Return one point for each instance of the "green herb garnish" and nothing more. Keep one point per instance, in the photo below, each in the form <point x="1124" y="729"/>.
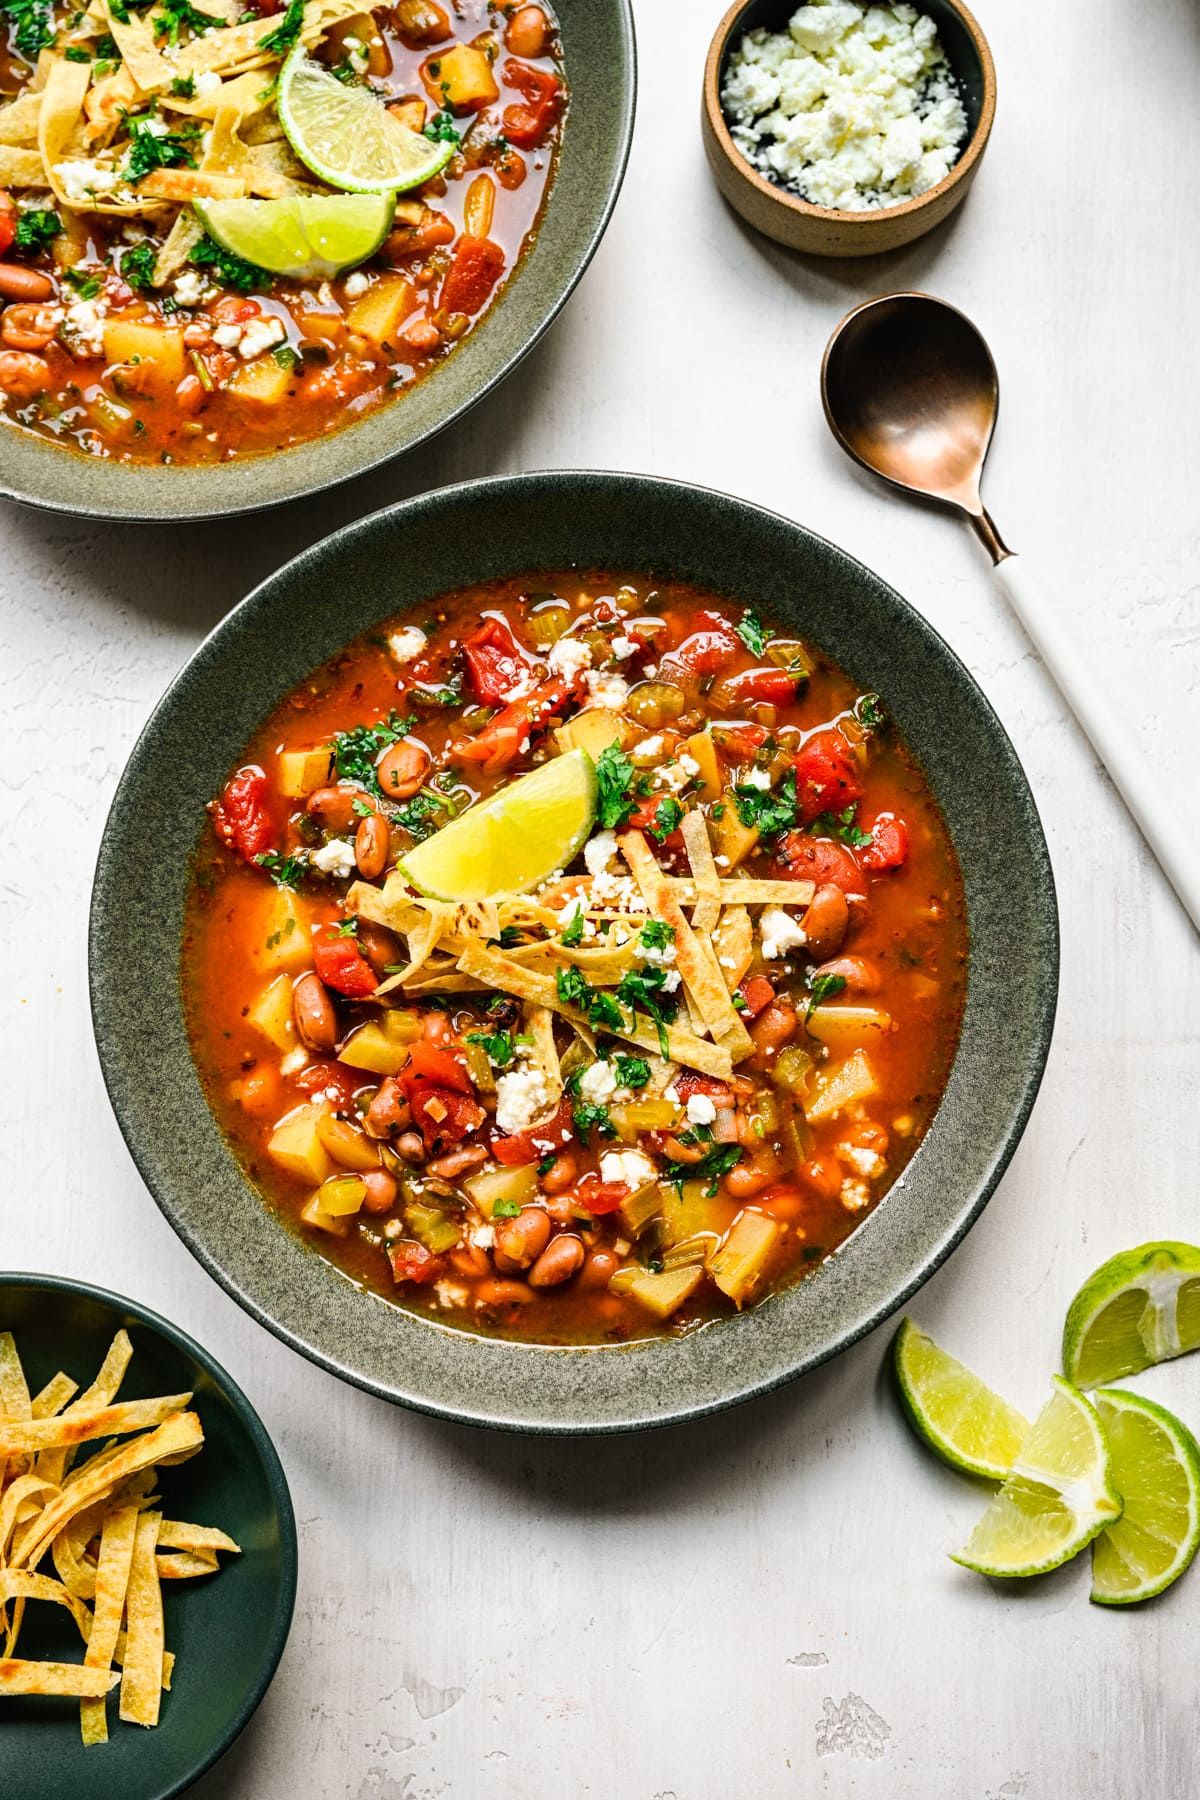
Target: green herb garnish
<point x="709" y="1169"/>
<point x="35" y="229"/>
<point x="32" y="23"/>
<point x="234" y="271"/>
<point x="285" y="871"/>
<point x="753" y="633"/>
<point x="822" y="988"/>
<point x="137" y="266"/>
<point x="841" y="825"/>
<point x="667" y="815"/>
<point x="280" y="41"/>
<point x="356" y="752"/>
<point x="506" y="1209"/>
<point x="771" y="812"/>
<point x="572" y="936"/>
<point x="632" y="1071"/>
<point x="441" y="129"/>
<point x="614" y="778"/>
<point x="656" y="934"/>
<point x="498" y="1045"/>
<point x="85" y="285"/>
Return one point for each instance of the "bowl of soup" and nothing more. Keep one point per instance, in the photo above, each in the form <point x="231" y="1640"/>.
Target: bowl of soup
<point x="245" y="255"/>
<point x="567" y="982"/>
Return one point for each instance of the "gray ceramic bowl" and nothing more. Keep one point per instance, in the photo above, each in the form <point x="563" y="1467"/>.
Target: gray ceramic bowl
<point x="228" y="1632"/>
<point x="598" y="50"/>
<point x="403" y="556"/>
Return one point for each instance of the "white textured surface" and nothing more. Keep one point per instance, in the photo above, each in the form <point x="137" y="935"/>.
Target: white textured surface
<point x="761" y="1605"/>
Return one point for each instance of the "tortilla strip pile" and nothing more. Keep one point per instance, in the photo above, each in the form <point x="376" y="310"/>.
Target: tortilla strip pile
<point x="103" y="1529"/>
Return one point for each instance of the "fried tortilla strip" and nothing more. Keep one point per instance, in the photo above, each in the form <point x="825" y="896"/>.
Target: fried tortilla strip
<point x="707" y="909"/>
<point x="142" y="1676"/>
<point x="52" y="1465"/>
<point x="75" y="1427"/>
<point x="135" y="40"/>
<point x="244" y="92"/>
<point x="60" y="114"/>
<point x="511" y="977"/>
<point x="191" y="184"/>
<point x="18" y="1584"/>
<point x="183" y="1566"/>
<point x="182" y="239"/>
<point x="18" y="122"/>
<point x="539" y="1022"/>
<point x="747" y="891"/>
<point x="26" y="1488"/>
<point x="733" y="942"/>
<point x="106" y="102"/>
<point x="177" y="1437"/>
<point x="70" y="1679"/>
<point x="53" y="1397"/>
<point x="15" y="1404"/>
<point x="202" y="1540"/>
<point x="22" y="168"/>
<point x="695" y="960"/>
<point x="227" y="52"/>
<point x="112" y="1583"/>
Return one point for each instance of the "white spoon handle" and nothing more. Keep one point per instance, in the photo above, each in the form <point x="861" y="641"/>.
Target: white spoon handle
<point x="1165" y="831"/>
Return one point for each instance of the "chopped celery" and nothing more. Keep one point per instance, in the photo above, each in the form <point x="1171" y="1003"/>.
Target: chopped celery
<point x="691" y="1250"/>
<point x="692" y="1211"/>
<point x="740" y="1264"/>
<point x="845" y="1028"/>
<point x="793" y="1071"/>
<point x="641" y="1208"/>
<point x="633" y="1117"/>
<point x="313" y="1213"/>
<point x="431" y="1227"/>
<point x="843" y="1085"/>
<point x="548" y="623"/>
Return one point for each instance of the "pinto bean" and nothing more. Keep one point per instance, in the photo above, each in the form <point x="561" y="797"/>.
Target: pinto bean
<point x="772" y="1028"/>
<point x="313" y="1011"/>
<point x="457" y="1162"/>
<point x="189" y="395"/>
<point x="381" y="1191"/>
<point x="562" y="1258"/>
<point x="388" y="1111"/>
<point x="825" y="922"/>
<point x="332" y="808"/>
<point x="860" y="976"/>
<point x="752" y="1176"/>
<point x="401" y="770"/>
<point x="521" y="1240"/>
<point x="563" y="1175"/>
<point x="22" y="376"/>
<point x="503" y="1293"/>
<point x="680" y="1152"/>
<point x="371" y="842"/>
<point x="29" y="327"/>
<point x="411" y="1146"/>
<point x="599" y="1269"/>
<point x="380" y="946"/>
<point x="527" y="32"/>
<point x="18" y="283"/>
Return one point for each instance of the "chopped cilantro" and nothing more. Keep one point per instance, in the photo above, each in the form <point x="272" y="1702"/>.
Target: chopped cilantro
<point x="506" y="1209"/>
<point x="709" y="1169"/>
<point x="85" y="285"/>
<point x="667" y="815"/>
<point x="348" y="928"/>
<point x="753" y="633"/>
<point x="572" y="988"/>
<point x="152" y="149"/>
<point x="641" y="991"/>
<point x="184" y="87"/>
<point x="717" y="811"/>
<point x="35" y="229"/>
<point x="614" y="777"/>
<point x="771" y="812"/>
<point x="656" y="934"/>
<point x="234" y="271"/>
<point x="510" y="937"/>
<point x="417" y="817"/>
<point x="573" y="935"/>
<point x="822" y="988"/>
<point x="603" y="1010"/>
<point x="285" y="871"/>
<point x="280" y="41"/>
<point x="441" y="129"/>
<point x="547" y="1163"/>
<point x="868" y="710"/>
<point x="449" y="694"/>
<point x="174" y="14"/>
<point x="498" y="1045"/>
<point x="356" y="752"/>
<point x="632" y="1071"/>
<point x="841" y="825"/>
<point x="77" y="54"/>
<point x="590" y="1118"/>
<point x="137" y="266"/>
<point x="32" y="26"/>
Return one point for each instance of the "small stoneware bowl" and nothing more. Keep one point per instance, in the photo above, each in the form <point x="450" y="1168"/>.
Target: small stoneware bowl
<point x="227" y="1631"/>
<point x="404" y="557"/>
<point x="825" y="231"/>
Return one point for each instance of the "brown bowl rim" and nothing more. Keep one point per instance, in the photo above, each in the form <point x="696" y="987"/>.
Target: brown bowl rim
<point x="804" y="209"/>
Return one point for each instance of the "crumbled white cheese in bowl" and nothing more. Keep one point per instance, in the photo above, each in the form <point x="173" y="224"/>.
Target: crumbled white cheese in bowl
<point x="852" y="107"/>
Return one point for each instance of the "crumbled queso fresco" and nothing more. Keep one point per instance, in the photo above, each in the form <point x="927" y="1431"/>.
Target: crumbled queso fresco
<point x="852" y="107"/>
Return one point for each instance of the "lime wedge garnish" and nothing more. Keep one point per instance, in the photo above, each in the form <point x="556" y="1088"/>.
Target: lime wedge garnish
<point x="510" y="842"/>
<point x="968" y="1425"/>
<point x="1059" y="1495"/>
<point x="1156" y="1466"/>
<point x="344" y="135"/>
<point x="1139" y="1308"/>
<point x="311" y="238"/>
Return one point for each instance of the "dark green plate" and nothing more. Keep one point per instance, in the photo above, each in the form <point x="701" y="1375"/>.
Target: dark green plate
<point x="600" y="61"/>
<point x="403" y="556"/>
<point x="227" y="1630"/>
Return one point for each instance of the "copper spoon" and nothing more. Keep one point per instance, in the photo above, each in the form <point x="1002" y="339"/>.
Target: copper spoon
<point x="911" y="393"/>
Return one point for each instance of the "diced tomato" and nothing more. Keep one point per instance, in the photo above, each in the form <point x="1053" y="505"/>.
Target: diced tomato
<point x="758" y="994"/>
<point x="528" y="126"/>
<point x="508" y="735"/>
<point x="711" y="647"/>
<point x="496" y="661"/>
<point x="599" y="1198"/>
<point x="8" y="223"/>
<point x="435" y="1063"/>
<point x="477" y="267"/>
<point x="530" y="1146"/>
<point x="413" y="1262"/>
<point x="819" y="860"/>
<point x="827" y="778"/>
<point x="336" y="1078"/>
<point x="688" y="1082"/>
<point x="888" y="848"/>
<point x="241" y="817"/>
<point x="774" y="686"/>
<point x="740" y="743"/>
<point x="645" y="818"/>
<point x="442" y="1114"/>
<point x="342" y="966"/>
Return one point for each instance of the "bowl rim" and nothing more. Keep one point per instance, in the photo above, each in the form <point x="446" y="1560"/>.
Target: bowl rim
<point x="120" y="1075"/>
<point x="276" y="1481"/>
<point x="862" y="220"/>
<point x="165" y="500"/>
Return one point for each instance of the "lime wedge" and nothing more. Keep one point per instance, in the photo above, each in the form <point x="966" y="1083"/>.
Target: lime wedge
<point x="344" y="135"/>
<point x="1156" y="1465"/>
<point x="1139" y="1308"/>
<point x="311" y="238"/>
<point x="1057" y="1498"/>
<point x="510" y="842"/>
<point x="969" y="1427"/>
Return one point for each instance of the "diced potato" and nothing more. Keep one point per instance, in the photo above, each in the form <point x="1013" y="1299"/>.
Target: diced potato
<point x="740" y="1264"/>
<point x="346" y="1145"/>
<point x="263" y="382"/>
<point x="373" y="1048"/>
<point x="460" y="78"/>
<point x="298" y="772"/>
<point x="296" y="1144"/>
<point x="400" y="1026"/>
<point x="285" y="941"/>
<point x="702" y="749"/>
<point x="665" y="1293"/>
<point x="410" y="111"/>
<point x="687" y="1214"/>
<point x="594" y="732"/>
<point x="519" y="1185"/>
<point x="843" y="1085"/>
<point x="379" y="313"/>
<point x="313" y="1213"/>
<point x="845" y="1028"/>
<point x="135" y="341"/>
<point x="341" y="1195"/>
<point x="272" y="1013"/>
<point x="733" y="840"/>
